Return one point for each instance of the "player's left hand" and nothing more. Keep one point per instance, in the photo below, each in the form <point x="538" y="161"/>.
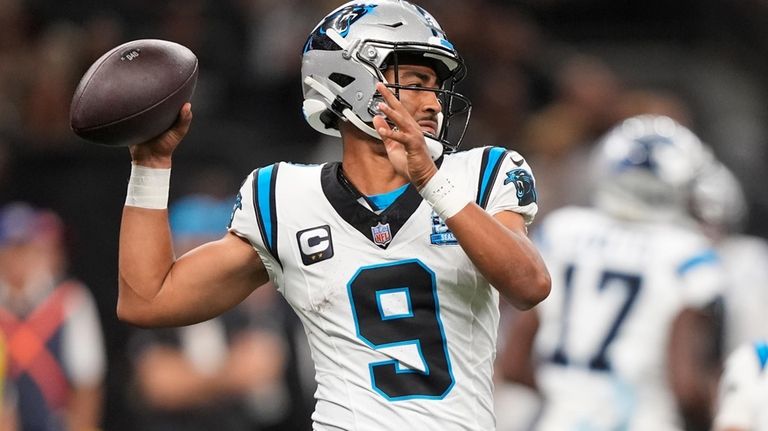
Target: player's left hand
<point x="405" y="144"/>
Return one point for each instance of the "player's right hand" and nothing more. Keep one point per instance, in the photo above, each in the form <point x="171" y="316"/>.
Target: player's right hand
<point x="405" y="144"/>
<point x="156" y="153"/>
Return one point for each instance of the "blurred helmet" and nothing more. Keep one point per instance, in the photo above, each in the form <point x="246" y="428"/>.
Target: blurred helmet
<point x="645" y="167"/>
<point x="348" y="51"/>
<point x="20" y="223"/>
<point x="718" y="198"/>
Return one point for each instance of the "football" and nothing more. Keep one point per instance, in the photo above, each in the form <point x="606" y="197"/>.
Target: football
<point x="133" y="92"/>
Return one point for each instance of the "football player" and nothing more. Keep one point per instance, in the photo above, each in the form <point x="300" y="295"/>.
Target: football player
<point x="625" y="339"/>
<point x="394" y="259"/>
<point x="721" y="206"/>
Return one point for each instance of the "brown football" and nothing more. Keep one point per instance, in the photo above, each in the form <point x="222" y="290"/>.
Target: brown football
<point x="133" y="92"/>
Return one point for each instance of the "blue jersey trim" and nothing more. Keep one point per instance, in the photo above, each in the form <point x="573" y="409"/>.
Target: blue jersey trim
<point x="384" y="200"/>
<point x="706" y="258"/>
<point x="265" y="212"/>
<point x="492" y="160"/>
<point x="264" y="204"/>
<point x="761" y="350"/>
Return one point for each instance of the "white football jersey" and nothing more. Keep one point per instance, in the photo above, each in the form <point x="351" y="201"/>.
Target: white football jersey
<point x="617" y="286"/>
<point x="401" y="325"/>
<point x="745" y="261"/>
<point x="743" y="392"/>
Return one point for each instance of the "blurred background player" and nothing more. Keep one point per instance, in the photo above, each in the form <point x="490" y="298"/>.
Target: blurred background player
<point x="625" y="341"/>
<point x="232" y="372"/>
<point x="721" y="206"/>
<point x="51" y="326"/>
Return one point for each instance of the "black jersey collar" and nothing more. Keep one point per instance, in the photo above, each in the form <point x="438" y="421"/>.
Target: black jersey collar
<point x="381" y="228"/>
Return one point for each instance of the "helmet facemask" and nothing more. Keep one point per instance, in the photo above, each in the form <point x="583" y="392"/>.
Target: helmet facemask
<point x="454" y="115"/>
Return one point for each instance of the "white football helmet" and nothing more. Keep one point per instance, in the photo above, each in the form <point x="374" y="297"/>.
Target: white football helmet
<point x="645" y="168"/>
<point x="348" y="51"/>
<point x="718" y="198"/>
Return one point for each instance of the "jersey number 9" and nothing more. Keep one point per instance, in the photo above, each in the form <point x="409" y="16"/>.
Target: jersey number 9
<point x="397" y="313"/>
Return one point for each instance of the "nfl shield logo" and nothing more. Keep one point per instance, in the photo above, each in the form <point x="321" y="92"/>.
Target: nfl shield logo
<point x="381" y="234"/>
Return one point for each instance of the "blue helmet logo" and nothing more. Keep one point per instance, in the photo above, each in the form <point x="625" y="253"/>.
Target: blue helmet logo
<point x="523" y="181"/>
<point x="340" y="21"/>
<point x="641" y="154"/>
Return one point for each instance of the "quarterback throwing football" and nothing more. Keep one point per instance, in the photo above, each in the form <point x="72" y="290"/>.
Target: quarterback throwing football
<point x="394" y="259"/>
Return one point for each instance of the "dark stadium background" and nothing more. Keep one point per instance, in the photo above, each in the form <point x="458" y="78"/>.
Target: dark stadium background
<point x="712" y="55"/>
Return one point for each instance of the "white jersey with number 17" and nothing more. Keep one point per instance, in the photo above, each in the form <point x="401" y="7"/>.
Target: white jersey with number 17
<point x="617" y="287"/>
<point x="401" y="325"/>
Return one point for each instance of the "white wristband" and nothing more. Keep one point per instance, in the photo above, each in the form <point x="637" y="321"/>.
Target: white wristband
<point x="148" y="187"/>
<point x="445" y="197"/>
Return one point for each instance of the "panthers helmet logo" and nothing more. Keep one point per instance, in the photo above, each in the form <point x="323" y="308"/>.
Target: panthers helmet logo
<point x="340" y="21"/>
<point x="523" y="181"/>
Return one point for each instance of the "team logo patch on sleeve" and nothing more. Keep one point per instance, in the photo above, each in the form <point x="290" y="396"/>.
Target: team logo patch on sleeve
<point x="315" y="244"/>
<point x="381" y="233"/>
<point x="237" y="206"/>
<point x="523" y="181"/>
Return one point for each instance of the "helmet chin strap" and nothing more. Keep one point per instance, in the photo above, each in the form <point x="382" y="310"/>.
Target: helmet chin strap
<point x="434" y="147"/>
